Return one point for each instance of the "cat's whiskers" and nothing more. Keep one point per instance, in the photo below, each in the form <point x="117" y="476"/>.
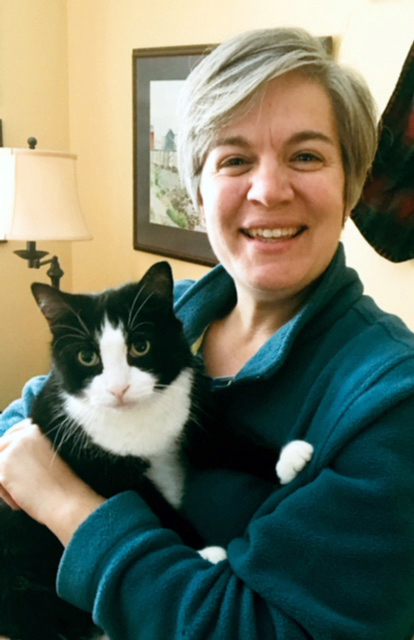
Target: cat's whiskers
<point x="72" y="328"/>
<point x="67" y="428"/>
<point x="75" y="435"/>
<point x="194" y="417"/>
<point x="198" y="411"/>
<point x="81" y="322"/>
<point x="76" y="334"/>
<point x="135" y="327"/>
<point x="132" y="319"/>
<point x="72" y="311"/>
<point x="80" y="441"/>
<point x="134" y="302"/>
<point x="70" y="346"/>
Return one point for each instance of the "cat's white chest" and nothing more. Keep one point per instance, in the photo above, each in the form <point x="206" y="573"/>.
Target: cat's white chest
<point x="167" y="474"/>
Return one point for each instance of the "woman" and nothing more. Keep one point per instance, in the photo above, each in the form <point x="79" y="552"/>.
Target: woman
<point x="276" y="143"/>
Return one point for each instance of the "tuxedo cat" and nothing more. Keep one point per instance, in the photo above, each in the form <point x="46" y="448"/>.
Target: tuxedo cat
<point x="121" y="407"/>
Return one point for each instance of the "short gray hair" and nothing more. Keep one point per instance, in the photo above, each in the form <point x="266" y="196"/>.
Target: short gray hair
<point x="230" y="79"/>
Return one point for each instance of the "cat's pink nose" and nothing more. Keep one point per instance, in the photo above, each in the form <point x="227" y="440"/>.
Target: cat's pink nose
<point x="119" y="392"/>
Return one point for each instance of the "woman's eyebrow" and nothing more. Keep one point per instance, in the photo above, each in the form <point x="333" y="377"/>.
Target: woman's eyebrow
<point x="301" y="136"/>
<point x="231" y="141"/>
<point x="309" y="135"/>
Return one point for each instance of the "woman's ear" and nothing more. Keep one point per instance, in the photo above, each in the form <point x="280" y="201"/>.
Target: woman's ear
<point x="345" y="216"/>
<point x="201" y="207"/>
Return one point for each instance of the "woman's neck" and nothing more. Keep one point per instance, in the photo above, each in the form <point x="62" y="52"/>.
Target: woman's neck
<point x="232" y="341"/>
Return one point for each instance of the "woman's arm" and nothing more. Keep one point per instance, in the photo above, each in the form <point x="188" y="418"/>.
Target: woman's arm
<point x="35" y="479"/>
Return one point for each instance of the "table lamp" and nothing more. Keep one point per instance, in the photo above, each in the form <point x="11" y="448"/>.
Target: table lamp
<point x="39" y="201"/>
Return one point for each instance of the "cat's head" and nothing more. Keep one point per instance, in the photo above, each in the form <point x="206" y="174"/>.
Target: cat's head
<point x="118" y="347"/>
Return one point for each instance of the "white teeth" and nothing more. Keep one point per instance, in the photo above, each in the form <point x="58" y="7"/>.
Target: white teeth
<point x="273" y="233"/>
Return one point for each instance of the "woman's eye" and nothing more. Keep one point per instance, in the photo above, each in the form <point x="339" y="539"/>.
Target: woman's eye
<point x="88" y="358"/>
<point x="307" y="159"/>
<point x="235" y="162"/>
<point x="233" y="165"/>
<point x="139" y="348"/>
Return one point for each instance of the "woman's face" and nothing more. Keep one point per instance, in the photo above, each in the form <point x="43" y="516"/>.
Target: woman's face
<point x="272" y="190"/>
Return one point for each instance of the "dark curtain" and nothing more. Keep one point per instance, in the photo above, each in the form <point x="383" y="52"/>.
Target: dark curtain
<point x="385" y="212"/>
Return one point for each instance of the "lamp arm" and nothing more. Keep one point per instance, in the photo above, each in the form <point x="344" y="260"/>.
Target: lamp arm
<point x="32" y="255"/>
<point x="34" y="261"/>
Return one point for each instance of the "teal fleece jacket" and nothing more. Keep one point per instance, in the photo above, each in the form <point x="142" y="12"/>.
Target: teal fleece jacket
<point x="329" y="556"/>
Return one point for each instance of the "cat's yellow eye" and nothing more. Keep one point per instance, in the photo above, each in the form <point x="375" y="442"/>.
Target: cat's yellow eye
<point x="88" y="358"/>
<point x="139" y="348"/>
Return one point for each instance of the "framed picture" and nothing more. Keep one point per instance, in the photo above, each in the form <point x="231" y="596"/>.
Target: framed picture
<point x="165" y="221"/>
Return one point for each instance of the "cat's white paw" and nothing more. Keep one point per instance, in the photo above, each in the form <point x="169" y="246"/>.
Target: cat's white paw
<point x="293" y="458"/>
<point x="213" y="554"/>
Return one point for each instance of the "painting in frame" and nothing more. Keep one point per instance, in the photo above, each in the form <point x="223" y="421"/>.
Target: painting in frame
<point x="165" y="221"/>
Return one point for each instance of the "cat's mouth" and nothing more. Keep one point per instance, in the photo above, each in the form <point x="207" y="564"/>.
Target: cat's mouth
<point x="120" y="404"/>
<point x="123" y="403"/>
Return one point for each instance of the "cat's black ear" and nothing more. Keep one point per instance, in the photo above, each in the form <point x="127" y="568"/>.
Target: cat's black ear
<point x="50" y="300"/>
<point x="159" y="279"/>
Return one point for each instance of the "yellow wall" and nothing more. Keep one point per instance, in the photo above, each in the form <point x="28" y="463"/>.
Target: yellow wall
<point x="33" y="102"/>
<point x="66" y="76"/>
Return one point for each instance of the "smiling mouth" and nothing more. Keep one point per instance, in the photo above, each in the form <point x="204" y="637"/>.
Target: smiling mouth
<point x="272" y="235"/>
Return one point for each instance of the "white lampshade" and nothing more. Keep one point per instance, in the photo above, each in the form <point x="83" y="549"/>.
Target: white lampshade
<point x="39" y="197"/>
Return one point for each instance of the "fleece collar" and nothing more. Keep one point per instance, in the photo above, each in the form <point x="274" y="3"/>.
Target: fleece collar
<point x="214" y="295"/>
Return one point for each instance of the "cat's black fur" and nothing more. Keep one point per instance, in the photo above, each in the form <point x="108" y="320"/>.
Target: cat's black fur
<point x="29" y="553"/>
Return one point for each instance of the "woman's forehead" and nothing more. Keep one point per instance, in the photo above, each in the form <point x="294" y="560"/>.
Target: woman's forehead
<point x="293" y="106"/>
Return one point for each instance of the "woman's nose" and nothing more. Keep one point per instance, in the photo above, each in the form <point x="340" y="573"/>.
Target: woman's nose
<point x="270" y="185"/>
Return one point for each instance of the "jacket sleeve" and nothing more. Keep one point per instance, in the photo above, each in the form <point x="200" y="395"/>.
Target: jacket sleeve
<point x="329" y="556"/>
<point x="20" y="409"/>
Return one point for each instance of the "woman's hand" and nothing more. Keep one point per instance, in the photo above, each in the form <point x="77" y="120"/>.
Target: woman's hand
<point x="34" y="478"/>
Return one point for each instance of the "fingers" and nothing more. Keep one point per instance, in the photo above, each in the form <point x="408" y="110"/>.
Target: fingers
<point x="10" y="436"/>
<point x="6" y="497"/>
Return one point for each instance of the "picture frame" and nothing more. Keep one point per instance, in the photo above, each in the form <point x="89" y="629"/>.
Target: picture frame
<point x="165" y="221"/>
